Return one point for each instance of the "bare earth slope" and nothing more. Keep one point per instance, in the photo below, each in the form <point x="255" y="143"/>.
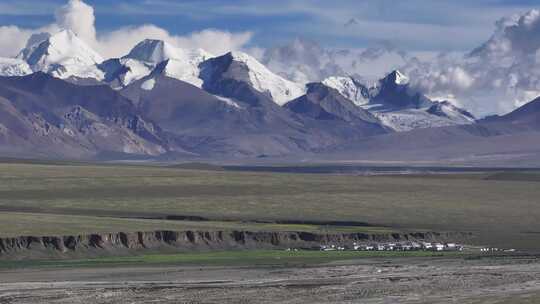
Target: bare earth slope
<point x="48" y="117"/>
<point x="509" y="139"/>
<point x="236" y="120"/>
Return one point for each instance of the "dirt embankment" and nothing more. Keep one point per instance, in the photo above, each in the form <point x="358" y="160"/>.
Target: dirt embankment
<point x="124" y="242"/>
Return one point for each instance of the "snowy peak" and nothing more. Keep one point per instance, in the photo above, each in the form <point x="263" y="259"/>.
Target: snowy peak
<point x="448" y="110"/>
<point x="14" y="67"/>
<point x="63" y="55"/>
<point x="324" y="103"/>
<point x="394" y="92"/>
<point x="152" y="57"/>
<point x="184" y="67"/>
<point x="63" y="46"/>
<point x="153" y="51"/>
<point x="187" y="71"/>
<point x="349" y="88"/>
<point x="156" y="51"/>
<point x="247" y="59"/>
<point x="396" y="77"/>
<point x="389" y="93"/>
<point x="403" y="108"/>
<point x="397" y="105"/>
<point x="244" y="68"/>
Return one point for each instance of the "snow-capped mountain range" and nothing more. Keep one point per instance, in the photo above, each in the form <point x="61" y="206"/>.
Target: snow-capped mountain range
<point x="397" y="105"/>
<point x="151" y="57"/>
<point x="64" y="55"/>
<point x="59" y="98"/>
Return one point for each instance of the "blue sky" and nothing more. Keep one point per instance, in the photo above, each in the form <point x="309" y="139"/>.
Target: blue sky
<point x="412" y="24"/>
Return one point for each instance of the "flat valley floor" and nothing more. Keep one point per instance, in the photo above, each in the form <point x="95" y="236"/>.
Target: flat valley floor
<point x="494" y="280"/>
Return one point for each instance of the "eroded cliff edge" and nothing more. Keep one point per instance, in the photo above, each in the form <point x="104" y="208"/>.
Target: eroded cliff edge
<point x="120" y="243"/>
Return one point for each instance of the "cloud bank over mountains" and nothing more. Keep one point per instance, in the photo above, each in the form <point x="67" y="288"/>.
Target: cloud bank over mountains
<point x="496" y="77"/>
<point x="79" y="17"/>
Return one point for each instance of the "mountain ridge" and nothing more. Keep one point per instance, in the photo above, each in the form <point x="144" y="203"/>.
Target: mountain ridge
<point x="399" y="106"/>
<point x="160" y="101"/>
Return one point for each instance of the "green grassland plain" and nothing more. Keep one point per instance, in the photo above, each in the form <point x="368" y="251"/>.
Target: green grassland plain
<point x="39" y="199"/>
<point x="264" y="258"/>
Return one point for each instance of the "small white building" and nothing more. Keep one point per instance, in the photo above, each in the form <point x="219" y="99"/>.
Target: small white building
<point x="427" y="246"/>
<point x="328" y="247"/>
<point x="416" y="246"/>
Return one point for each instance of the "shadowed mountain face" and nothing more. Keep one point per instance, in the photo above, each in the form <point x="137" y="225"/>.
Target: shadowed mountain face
<point x="55" y="118"/>
<point x="226" y="77"/>
<point x="62" y="55"/>
<point x="239" y="121"/>
<point x="326" y="104"/>
<point x="528" y="114"/>
<point x="207" y="125"/>
<point x="448" y="110"/>
<point x="509" y="139"/>
<point x="58" y="119"/>
<point x="153" y="57"/>
<point x="181" y="107"/>
<point x="240" y="67"/>
<point x="397" y="105"/>
<point x="393" y="91"/>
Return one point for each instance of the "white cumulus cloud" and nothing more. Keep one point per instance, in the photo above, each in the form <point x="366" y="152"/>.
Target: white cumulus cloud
<point x="12" y="40"/>
<point x="119" y="42"/>
<point x="495" y="78"/>
<point x="79" y="17"/>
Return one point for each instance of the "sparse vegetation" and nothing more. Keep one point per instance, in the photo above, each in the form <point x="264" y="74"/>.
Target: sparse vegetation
<point x="226" y="258"/>
<point x="502" y="213"/>
<point x="14" y="224"/>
